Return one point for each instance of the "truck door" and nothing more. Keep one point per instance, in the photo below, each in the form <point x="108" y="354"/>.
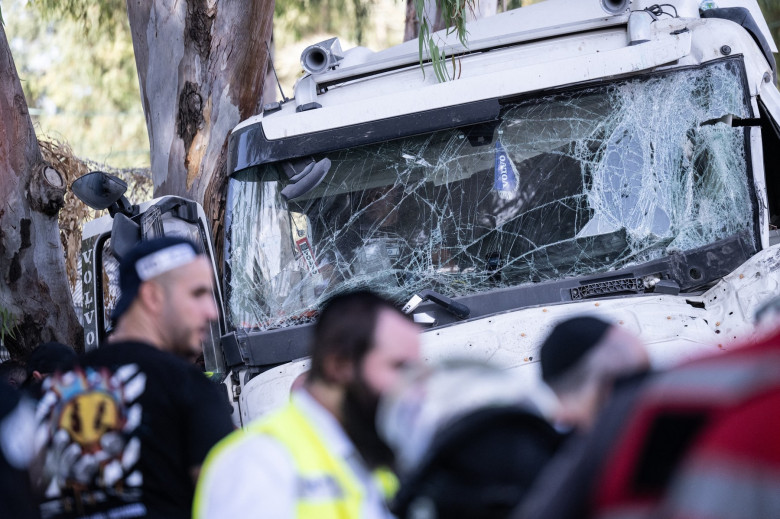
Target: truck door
<point x="105" y="239"/>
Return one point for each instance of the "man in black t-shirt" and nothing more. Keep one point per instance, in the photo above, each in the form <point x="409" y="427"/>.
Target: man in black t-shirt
<point x="124" y="434"/>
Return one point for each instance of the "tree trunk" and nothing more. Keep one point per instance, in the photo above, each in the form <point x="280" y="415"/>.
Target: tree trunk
<point x="412" y="24"/>
<point x="201" y="65"/>
<point x="432" y="11"/>
<point x="35" y="300"/>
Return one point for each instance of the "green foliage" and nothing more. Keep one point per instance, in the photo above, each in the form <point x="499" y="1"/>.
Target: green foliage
<point x="512" y="4"/>
<point x="75" y="58"/>
<point x="7" y="324"/>
<point x="103" y="15"/>
<point x="295" y="19"/>
<point x="453" y="14"/>
<point x="81" y="84"/>
<point x="376" y="24"/>
<point x="771" y="11"/>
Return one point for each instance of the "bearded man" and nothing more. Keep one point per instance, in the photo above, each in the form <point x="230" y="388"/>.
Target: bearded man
<point x="320" y="456"/>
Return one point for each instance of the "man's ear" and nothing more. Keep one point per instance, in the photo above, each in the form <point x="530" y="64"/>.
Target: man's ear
<point x="37" y="375"/>
<point x="339" y="370"/>
<point x="151" y="295"/>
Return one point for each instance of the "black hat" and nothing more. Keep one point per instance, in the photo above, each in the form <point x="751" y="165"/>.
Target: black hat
<point x="569" y="341"/>
<point x="50" y="357"/>
<point x="146" y="260"/>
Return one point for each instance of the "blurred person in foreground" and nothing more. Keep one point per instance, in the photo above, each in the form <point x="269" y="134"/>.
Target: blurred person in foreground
<point x="596" y="369"/>
<point x="469" y="440"/>
<point x="320" y="456"/>
<point x="703" y="440"/>
<point x="124" y="434"/>
<point x="17" y="426"/>
<point x="13" y="373"/>
<point x="45" y="359"/>
<point x="581" y="360"/>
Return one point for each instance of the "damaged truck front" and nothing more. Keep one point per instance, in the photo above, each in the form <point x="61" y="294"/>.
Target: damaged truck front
<point x="616" y="158"/>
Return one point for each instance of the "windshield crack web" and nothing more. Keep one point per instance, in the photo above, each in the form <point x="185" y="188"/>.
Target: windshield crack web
<point x="561" y="186"/>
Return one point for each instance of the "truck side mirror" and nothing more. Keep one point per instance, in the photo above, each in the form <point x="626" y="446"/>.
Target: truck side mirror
<point x="100" y="191"/>
<point x="306" y="180"/>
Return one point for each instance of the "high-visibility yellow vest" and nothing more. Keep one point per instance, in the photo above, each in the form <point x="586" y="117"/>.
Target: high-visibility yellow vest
<point x="327" y="487"/>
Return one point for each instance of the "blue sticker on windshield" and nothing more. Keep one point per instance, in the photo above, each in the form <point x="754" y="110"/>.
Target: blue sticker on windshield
<point x="507" y="180"/>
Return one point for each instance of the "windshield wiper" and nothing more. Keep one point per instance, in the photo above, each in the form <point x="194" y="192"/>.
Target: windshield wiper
<point x="457" y="309"/>
<point x="732" y="120"/>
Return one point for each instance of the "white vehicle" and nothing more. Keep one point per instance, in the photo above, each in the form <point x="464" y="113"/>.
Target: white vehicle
<point x="611" y="157"/>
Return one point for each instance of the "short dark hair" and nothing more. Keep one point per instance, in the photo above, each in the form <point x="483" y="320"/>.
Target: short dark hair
<point x="568" y="343"/>
<point x="345" y="329"/>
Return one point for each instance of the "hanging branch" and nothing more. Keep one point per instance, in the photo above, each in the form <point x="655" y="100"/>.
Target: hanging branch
<point x="453" y="14"/>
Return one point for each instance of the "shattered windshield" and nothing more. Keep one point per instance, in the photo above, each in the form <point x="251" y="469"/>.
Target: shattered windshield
<point x="561" y="185"/>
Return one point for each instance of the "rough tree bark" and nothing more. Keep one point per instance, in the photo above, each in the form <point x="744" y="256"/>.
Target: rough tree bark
<point x="201" y="65"/>
<point x="35" y="300"/>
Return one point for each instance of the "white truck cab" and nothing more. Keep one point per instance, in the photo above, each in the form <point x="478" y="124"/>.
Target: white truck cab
<point x="611" y="157"/>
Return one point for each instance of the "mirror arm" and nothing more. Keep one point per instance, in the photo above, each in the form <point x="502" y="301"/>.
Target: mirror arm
<point x="123" y="206"/>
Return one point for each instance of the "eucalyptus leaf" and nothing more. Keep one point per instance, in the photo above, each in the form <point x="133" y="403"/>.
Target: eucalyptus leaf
<point x="454" y="16"/>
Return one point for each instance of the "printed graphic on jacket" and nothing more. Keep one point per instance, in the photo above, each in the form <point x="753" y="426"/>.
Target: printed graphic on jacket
<point x="86" y="424"/>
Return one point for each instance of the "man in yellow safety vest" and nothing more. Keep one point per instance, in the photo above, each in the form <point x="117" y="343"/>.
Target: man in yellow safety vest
<point x="320" y="456"/>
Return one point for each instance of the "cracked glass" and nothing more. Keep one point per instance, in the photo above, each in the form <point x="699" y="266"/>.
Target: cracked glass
<point x="562" y="185"/>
